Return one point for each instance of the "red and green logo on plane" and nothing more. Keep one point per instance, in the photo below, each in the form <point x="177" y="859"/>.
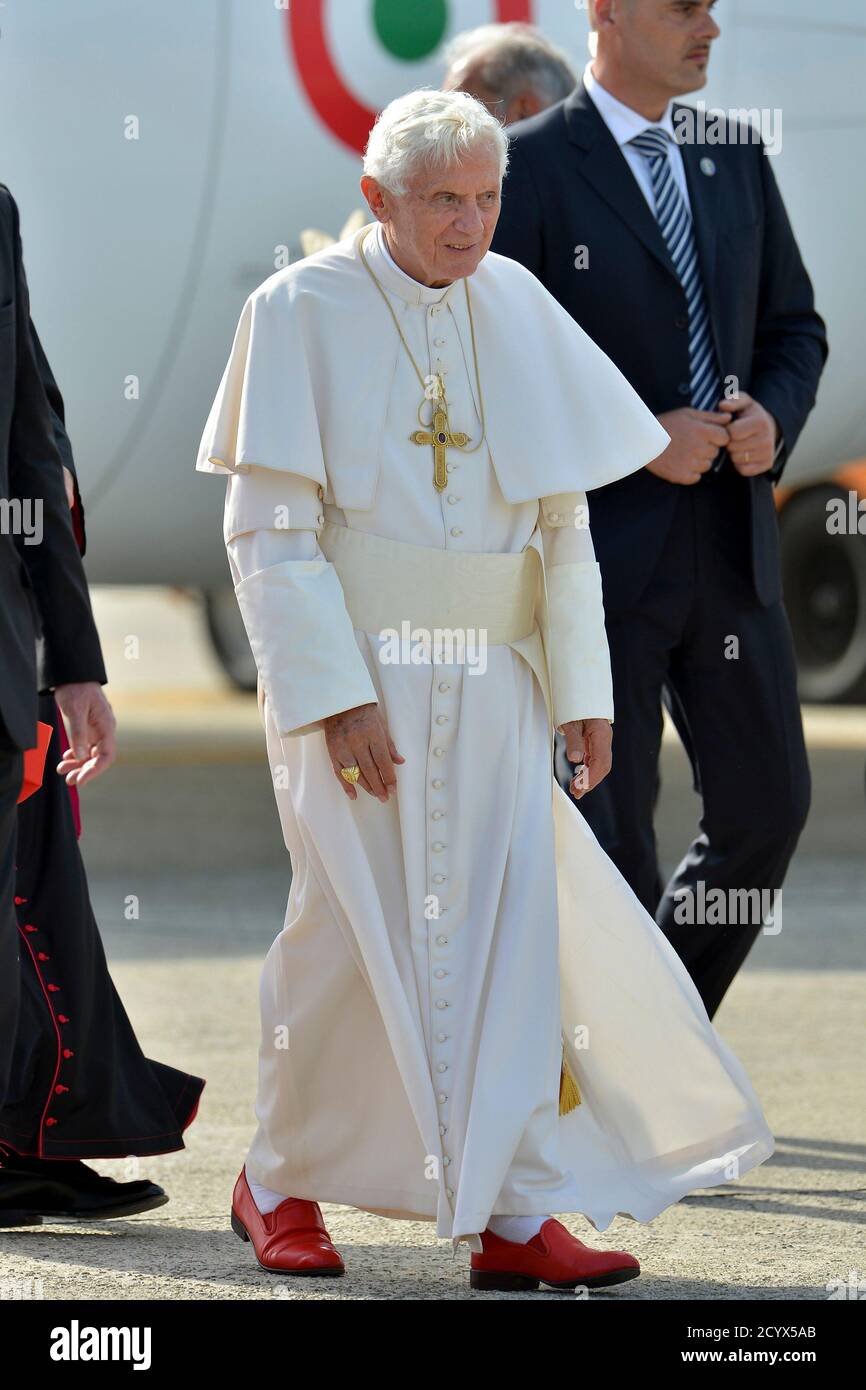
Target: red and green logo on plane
<point x="406" y="31"/>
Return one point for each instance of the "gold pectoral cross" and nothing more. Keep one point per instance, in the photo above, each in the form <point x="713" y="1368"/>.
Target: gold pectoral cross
<point x="442" y="439"/>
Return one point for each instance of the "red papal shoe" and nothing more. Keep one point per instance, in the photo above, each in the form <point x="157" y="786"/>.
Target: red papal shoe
<point x="292" y="1239"/>
<point x="553" y="1257"/>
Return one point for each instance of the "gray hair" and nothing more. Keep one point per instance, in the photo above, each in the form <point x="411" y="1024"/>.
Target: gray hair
<point x="514" y="56"/>
<point x="429" y="129"/>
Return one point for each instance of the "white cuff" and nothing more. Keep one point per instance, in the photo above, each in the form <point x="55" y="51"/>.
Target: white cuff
<point x="579" y="660"/>
<point x="303" y="642"/>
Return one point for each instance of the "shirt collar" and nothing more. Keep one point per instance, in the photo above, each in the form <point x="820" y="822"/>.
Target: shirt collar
<point x="393" y="278"/>
<point x="622" y="121"/>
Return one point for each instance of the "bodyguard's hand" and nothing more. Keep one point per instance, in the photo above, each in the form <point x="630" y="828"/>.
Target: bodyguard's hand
<point x="360" y="736"/>
<point x="588" y="741"/>
<point x="753" y="433"/>
<point x="696" y="438"/>
<point x="91" y="726"/>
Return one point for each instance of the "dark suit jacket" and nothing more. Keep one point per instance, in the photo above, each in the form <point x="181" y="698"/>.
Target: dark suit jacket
<point x="47" y="633"/>
<point x="569" y="186"/>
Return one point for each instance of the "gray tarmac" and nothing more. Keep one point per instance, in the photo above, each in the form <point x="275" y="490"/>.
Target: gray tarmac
<point x="186" y="823"/>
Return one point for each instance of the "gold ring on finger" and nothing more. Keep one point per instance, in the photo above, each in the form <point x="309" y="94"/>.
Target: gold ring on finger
<point x="351" y="774"/>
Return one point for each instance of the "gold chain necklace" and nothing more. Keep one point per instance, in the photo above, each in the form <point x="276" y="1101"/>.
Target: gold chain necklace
<point x="437" y="432"/>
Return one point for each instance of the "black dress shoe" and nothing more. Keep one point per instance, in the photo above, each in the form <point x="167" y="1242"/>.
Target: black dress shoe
<point x="67" y="1189"/>
<point x="18" y="1218"/>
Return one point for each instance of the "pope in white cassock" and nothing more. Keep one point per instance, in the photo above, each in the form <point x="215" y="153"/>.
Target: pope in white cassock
<point x="468" y="1017"/>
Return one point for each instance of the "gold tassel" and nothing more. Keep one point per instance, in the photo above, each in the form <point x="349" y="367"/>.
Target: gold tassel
<point x="569" y="1091"/>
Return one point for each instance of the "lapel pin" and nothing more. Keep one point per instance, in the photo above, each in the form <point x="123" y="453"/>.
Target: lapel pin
<point x="708" y="167"/>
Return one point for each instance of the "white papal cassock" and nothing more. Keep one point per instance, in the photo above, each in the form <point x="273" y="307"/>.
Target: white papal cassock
<point x="421" y="1073"/>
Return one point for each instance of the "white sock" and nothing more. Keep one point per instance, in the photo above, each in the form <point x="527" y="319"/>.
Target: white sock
<point x="517" y="1228"/>
<point x="264" y="1198"/>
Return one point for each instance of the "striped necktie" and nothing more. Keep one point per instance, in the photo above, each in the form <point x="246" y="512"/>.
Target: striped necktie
<point x="675" y="224"/>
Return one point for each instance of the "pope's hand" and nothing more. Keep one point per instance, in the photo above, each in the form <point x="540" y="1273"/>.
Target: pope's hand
<point x="588" y="742"/>
<point x="360" y="736"/>
<point x="91" y="724"/>
<point x="696" y="438"/>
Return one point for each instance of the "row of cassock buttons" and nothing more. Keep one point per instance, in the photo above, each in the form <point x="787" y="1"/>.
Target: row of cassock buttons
<point x="39" y="959"/>
<point x="438" y="848"/>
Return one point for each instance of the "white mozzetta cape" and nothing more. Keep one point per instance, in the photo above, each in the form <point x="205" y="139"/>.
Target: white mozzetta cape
<point x="306" y="393"/>
<point x="313" y="359"/>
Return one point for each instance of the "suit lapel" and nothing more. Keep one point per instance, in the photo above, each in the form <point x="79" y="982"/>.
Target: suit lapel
<point x="704" y="196"/>
<point x="604" y="166"/>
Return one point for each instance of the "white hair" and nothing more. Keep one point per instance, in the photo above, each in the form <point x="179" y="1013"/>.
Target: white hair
<point x="429" y="129"/>
<point x="511" y="57"/>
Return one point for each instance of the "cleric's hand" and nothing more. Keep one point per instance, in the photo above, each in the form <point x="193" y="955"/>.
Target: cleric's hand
<point x="696" y="438"/>
<point x="91" y="726"/>
<point x="588" y="742"/>
<point x="69" y="484"/>
<point x="753" y="433"/>
<point x="360" y="736"/>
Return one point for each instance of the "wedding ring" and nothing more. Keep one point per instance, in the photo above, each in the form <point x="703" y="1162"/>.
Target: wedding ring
<point x="351" y="774"/>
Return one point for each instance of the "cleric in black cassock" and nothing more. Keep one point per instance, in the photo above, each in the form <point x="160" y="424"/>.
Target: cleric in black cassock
<point x="80" y="1086"/>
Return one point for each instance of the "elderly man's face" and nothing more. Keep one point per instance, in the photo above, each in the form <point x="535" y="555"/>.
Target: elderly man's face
<point x="442" y="226"/>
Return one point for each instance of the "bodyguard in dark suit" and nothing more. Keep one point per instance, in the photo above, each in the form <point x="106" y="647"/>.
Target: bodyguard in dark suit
<point x="48" y="639"/>
<point x="679" y="260"/>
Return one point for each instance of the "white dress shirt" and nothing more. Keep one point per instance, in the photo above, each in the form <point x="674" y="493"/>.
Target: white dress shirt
<point x="624" y="124"/>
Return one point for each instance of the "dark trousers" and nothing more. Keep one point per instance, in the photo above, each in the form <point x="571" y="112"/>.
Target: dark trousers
<point x="729" y="666"/>
<point x="11" y="772"/>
